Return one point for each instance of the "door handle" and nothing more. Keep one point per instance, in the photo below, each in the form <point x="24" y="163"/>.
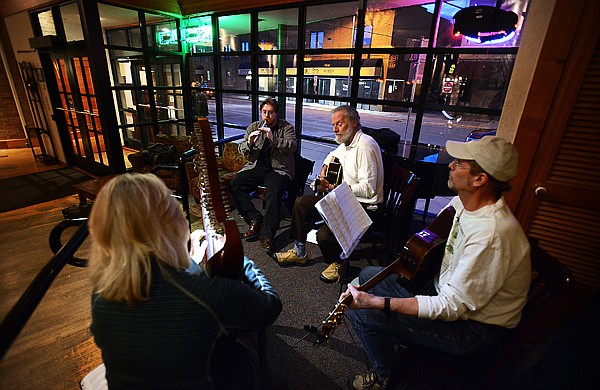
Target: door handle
<point x="540" y="191"/>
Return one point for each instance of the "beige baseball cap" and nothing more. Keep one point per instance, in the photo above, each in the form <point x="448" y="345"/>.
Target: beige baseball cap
<point x="497" y="156"/>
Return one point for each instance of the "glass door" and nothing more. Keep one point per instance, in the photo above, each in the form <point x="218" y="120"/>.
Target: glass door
<point x="78" y="103"/>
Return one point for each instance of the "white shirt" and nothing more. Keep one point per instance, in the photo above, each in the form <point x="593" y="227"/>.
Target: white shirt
<point x="362" y="167"/>
<point x="486" y="269"/>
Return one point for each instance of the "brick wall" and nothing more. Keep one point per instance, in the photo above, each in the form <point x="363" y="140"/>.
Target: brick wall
<point x="10" y="123"/>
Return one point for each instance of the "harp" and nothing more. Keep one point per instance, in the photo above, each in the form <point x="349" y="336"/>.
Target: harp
<point x="225" y="253"/>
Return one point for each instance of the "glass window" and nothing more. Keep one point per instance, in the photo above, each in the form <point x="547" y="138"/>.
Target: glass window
<point x="198" y="35"/>
<point x="166" y="71"/>
<point x="327" y="75"/>
<point x="475" y="80"/>
<point x="127" y="68"/>
<point x="134" y="107"/>
<point x="316" y="39"/>
<point x="274" y="71"/>
<point x="46" y="23"/>
<point x="172" y="128"/>
<point x="331" y="25"/>
<point x="237" y="111"/>
<point x="278" y="30"/>
<point x="121" y="26"/>
<point x="71" y="22"/>
<point x="117" y="37"/>
<point x="233" y="30"/>
<point x="236" y="72"/>
<point x="403" y="76"/>
<point x="390" y="25"/>
<point x="446" y="33"/>
<point x="163" y="34"/>
<point x="201" y="70"/>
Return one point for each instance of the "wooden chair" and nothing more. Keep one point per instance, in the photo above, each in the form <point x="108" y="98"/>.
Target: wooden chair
<point x="495" y="369"/>
<point x="230" y="162"/>
<point x="391" y="231"/>
<point x="304" y="168"/>
<point x="399" y="201"/>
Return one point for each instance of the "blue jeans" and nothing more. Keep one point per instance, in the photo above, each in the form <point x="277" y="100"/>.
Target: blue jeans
<point x="379" y="332"/>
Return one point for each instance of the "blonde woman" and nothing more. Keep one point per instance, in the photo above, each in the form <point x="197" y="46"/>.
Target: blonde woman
<point x="160" y="321"/>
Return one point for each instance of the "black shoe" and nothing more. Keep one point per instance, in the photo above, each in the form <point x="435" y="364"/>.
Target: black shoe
<point x="253" y="230"/>
<point x="267" y="244"/>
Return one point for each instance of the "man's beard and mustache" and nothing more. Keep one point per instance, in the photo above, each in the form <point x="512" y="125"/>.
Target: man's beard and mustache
<point x="343" y="138"/>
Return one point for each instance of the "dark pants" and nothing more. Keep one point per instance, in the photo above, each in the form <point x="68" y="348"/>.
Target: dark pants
<point x="379" y="332"/>
<point x="305" y="214"/>
<point x="245" y="182"/>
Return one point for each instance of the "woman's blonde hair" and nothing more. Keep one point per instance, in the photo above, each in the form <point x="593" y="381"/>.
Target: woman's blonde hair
<point x="135" y="220"/>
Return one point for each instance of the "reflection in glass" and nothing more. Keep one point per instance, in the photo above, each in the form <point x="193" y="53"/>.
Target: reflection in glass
<point x="121" y="25"/>
<point x="166" y="71"/>
<point x="197" y="35"/>
<point x="236" y="72"/>
<point x="278" y="30"/>
<point x="331" y="26"/>
<point x="163" y="35"/>
<point x="446" y="37"/>
<point x="404" y="77"/>
<point x="234" y="33"/>
<point x="71" y="22"/>
<point x="475" y="80"/>
<point x="389" y="25"/>
<point x="201" y="70"/>
<point x="276" y="73"/>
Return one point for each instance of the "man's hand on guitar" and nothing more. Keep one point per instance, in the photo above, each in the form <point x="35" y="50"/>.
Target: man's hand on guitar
<point x="361" y="299"/>
<point x="323" y="185"/>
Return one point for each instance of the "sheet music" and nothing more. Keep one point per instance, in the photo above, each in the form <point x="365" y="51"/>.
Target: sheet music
<point x="344" y="215"/>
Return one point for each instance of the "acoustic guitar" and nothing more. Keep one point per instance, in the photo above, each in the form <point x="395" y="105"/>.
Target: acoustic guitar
<point x="333" y="175"/>
<point x="225" y="253"/>
<point x="421" y="256"/>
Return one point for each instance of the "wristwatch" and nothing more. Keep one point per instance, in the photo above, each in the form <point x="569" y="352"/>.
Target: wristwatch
<point x="386" y="305"/>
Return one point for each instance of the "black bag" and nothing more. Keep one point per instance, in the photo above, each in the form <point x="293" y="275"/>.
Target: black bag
<point x="158" y="154"/>
<point x="387" y="139"/>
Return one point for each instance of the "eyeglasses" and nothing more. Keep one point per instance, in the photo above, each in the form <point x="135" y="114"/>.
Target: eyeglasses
<point x="461" y="164"/>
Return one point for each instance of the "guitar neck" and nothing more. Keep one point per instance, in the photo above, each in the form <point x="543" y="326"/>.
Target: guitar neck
<point x="416" y="254"/>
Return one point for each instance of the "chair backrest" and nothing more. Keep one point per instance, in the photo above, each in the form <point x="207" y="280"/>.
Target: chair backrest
<point x="399" y="191"/>
<point x="304" y="168"/>
<point x="399" y="200"/>
<point x="550" y="283"/>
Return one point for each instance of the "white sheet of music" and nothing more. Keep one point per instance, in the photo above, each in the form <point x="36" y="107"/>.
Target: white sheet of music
<point x="346" y="218"/>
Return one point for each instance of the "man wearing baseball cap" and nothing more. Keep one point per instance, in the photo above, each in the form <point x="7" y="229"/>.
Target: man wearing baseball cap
<point x="482" y="284"/>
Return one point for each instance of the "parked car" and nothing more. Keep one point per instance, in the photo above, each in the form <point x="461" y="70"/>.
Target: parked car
<point x="209" y="93"/>
<point x="478" y="134"/>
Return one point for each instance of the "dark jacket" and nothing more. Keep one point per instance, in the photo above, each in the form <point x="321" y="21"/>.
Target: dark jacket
<point x="283" y="148"/>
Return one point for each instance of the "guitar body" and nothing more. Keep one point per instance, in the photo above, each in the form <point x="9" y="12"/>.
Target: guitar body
<point x="333" y="175"/>
<point x="419" y="261"/>
<point x="334" y="172"/>
<point x="422" y="255"/>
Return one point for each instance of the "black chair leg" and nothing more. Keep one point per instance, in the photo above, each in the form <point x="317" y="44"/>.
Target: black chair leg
<point x="342" y="280"/>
